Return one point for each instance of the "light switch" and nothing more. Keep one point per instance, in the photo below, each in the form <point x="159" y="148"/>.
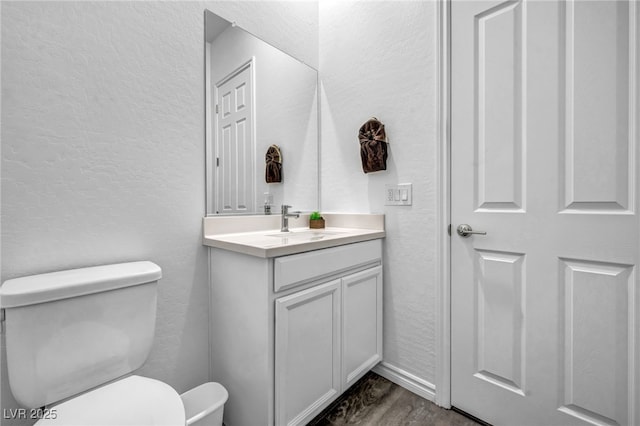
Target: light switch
<point x="398" y="194"/>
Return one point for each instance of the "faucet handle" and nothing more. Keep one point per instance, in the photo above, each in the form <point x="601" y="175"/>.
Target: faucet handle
<point x="285" y="209"/>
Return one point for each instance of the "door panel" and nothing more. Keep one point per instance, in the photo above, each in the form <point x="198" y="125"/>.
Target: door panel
<point x="499" y="140"/>
<point x="234" y="142"/>
<point x="544" y="147"/>
<point x="361" y="324"/>
<point x="597" y="317"/>
<point x="499" y="320"/>
<point x="307" y="359"/>
<point x="597" y="86"/>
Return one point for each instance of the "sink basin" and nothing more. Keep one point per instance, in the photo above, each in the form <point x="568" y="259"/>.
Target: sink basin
<point x="311" y="234"/>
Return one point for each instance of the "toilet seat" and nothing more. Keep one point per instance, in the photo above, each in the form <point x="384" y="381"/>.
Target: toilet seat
<point x="131" y="401"/>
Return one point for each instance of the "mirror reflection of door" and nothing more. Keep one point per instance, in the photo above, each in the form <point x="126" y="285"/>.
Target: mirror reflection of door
<point x="284" y="111"/>
<point x="234" y="141"/>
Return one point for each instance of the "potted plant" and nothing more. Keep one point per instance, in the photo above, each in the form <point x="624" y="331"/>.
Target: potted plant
<point x="316" y="221"/>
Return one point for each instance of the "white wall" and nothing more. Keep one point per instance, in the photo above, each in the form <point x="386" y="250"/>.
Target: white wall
<point x="379" y="59"/>
<point x="103" y="149"/>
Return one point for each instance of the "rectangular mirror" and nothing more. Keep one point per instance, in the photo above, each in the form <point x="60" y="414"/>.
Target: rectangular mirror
<point x="257" y="96"/>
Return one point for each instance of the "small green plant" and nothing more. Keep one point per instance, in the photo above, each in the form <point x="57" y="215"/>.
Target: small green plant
<point x="315" y="216"/>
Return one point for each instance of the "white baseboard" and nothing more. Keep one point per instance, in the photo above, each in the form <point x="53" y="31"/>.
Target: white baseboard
<point x="407" y="380"/>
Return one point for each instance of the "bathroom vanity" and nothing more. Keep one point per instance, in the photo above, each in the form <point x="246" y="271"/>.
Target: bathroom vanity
<point x="295" y="319"/>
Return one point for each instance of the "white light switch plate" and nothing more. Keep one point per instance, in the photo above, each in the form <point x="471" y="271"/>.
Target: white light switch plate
<point x="398" y="195"/>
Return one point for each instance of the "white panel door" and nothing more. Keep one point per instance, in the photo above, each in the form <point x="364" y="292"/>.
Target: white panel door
<point x="361" y="324"/>
<point x="307" y="360"/>
<point x="545" y="306"/>
<point x="235" y="145"/>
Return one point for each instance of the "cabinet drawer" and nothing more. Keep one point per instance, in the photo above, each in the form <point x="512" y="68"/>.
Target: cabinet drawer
<point x="296" y="269"/>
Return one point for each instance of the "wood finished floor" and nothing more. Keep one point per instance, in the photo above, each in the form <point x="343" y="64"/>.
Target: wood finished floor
<point x="374" y="401"/>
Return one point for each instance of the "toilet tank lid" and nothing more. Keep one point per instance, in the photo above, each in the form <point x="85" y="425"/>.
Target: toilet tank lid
<point x="52" y="286"/>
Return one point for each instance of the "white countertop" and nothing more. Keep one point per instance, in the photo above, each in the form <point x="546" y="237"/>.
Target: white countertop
<point x="264" y="241"/>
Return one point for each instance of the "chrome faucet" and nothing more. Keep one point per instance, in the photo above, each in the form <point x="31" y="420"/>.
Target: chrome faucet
<point x="285" y="218"/>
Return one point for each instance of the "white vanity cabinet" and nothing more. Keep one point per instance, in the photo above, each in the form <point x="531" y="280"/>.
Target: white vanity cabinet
<point x="307" y="369"/>
<point x="361" y="324"/>
<point x="292" y="333"/>
<point x="327" y="337"/>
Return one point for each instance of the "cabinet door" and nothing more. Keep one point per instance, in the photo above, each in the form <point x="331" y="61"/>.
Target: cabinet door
<point x="307" y="373"/>
<point x="361" y="324"/>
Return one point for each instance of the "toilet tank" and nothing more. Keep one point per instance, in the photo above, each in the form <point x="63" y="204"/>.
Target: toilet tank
<point x="69" y="331"/>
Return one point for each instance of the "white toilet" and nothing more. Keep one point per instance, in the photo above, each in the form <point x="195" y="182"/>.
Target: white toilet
<point x="73" y="337"/>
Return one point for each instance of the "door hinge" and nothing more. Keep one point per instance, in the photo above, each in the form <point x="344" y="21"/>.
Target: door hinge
<point x="217" y="161"/>
<point x="449" y="229"/>
<point x="217" y="110"/>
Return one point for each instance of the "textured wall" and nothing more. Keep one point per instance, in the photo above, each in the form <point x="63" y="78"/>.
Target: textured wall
<point x="103" y="146"/>
<point x="103" y="149"/>
<point x="291" y="26"/>
<point x="378" y="59"/>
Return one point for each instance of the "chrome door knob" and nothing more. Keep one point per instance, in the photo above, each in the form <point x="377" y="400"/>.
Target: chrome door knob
<point x="465" y="230"/>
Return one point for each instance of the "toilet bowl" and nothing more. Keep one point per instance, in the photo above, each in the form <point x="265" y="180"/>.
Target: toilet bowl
<point x="74" y="337"/>
<point x="134" y="400"/>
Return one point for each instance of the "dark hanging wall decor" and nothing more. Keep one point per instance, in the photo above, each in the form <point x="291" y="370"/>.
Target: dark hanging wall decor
<point x="373" y="146"/>
<point x="273" y="167"/>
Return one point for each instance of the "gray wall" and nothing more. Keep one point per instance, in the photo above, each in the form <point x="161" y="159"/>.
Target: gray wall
<point x="103" y="149"/>
<point x="379" y="59"/>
